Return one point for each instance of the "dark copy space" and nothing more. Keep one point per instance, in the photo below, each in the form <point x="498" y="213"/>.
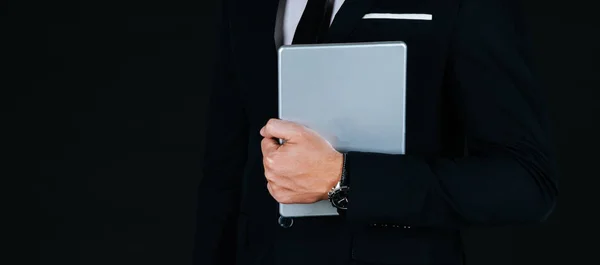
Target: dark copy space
<point x="109" y="99"/>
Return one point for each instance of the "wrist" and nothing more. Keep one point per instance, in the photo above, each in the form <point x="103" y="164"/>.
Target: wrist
<point x="338" y="196"/>
<point x="338" y="173"/>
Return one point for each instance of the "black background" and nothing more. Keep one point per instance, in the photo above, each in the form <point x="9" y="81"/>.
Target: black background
<point x="105" y="117"/>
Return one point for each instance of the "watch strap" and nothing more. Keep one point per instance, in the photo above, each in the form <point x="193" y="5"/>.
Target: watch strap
<point x="341" y="188"/>
<point x="344" y="177"/>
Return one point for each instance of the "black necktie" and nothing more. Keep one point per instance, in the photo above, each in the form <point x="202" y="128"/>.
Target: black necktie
<point x="314" y="23"/>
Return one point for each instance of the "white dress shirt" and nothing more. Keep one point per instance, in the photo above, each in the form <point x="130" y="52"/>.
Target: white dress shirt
<point x="288" y="17"/>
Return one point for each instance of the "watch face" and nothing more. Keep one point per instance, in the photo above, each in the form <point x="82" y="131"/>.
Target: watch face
<point x="339" y="198"/>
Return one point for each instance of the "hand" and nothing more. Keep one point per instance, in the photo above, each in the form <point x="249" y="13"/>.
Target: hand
<point x="303" y="169"/>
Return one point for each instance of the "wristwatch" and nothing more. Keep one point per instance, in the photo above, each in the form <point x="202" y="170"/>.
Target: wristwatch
<point x="338" y="196"/>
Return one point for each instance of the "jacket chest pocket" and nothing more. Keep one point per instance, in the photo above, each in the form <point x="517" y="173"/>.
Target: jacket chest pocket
<point x="387" y="20"/>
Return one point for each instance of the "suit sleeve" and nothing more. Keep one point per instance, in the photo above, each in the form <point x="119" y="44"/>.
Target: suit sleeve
<point x="508" y="176"/>
<point x="224" y="160"/>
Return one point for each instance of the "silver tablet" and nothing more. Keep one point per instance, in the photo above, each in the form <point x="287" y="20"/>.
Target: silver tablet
<point x="351" y="94"/>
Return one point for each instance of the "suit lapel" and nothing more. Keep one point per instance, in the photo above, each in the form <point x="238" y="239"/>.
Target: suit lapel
<point x="258" y="17"/>
<point x="347" y="18"/>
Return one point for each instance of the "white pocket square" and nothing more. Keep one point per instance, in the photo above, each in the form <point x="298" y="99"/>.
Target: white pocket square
<point x="398" y="16"/>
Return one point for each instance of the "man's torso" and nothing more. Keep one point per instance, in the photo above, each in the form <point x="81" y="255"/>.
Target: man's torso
<point x="430" y="127"/>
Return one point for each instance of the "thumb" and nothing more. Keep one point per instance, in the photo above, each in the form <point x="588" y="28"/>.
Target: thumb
<point x="269" y="145"/>
<point x="280" y="129"/>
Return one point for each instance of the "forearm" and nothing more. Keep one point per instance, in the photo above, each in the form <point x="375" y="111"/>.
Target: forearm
<point x="509" y="174"/>
<point x="494" y="189"/>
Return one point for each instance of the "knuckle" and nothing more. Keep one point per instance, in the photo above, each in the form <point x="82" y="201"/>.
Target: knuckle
<point x="264" y="141"/>
<point x="276" y="194"/>
<point x="270" y="123"/>
<point x="271" y="159"/>
<point x="267" y="162"/>
<point x="284" y="199"/>
<point x="272" y="177"/>
<point x="301" y="132"/>
<point x="279" y="195"/>
<point x="268" y="175"/>
<point x="268" y="167"/>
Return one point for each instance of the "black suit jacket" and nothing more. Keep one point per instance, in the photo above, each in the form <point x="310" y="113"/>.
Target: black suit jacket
<point x="470" y="87"/>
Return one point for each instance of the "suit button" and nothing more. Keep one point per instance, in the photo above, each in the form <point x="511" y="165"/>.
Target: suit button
<point x="285" y="222"/>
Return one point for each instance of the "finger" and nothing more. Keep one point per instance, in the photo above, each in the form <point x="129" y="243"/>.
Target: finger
<point x="281" y="129"/>
<point x="280" y="194"/>
<point x="271" y="177"/>
<point x="268" y="146"/>
<point x="272" y="190"/>
<point x="279" y="180"/>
